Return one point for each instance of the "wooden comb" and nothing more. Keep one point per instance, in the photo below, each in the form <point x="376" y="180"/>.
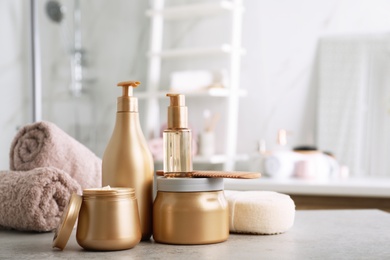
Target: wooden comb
<point x="218" y="174"/>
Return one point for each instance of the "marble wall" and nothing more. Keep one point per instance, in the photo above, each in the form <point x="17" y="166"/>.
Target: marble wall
<point x="14" y="73"/>
<point x="281" y="39"/>
<point x="114" y="45"/>
<point x="278" y="71"/>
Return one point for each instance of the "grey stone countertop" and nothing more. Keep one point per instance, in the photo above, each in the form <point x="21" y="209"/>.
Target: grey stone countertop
<point x="317" y="234"/>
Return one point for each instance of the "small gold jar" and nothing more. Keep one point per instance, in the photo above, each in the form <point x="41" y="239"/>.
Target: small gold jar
<point x="190" y="211"/>
<point x="107" y="220"/>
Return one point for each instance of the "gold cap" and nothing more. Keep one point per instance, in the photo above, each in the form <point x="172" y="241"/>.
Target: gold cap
<point x="126" y="102"/>
<point x="177" y="112"/>
<point x="68" y="219"/>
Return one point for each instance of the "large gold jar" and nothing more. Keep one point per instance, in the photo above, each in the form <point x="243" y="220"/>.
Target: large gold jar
<point x="108" y="219"/>
<point x="190" y="211"/>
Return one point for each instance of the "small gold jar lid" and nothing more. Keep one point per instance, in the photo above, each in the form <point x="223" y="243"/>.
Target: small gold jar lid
<point x="108" y="191"/>
<point x="68" y="219"/>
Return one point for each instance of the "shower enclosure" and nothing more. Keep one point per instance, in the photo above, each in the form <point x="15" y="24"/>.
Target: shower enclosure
<point x="56" y="12"/>
<point x="79" y="50"/>
<point x="67" y="18"/>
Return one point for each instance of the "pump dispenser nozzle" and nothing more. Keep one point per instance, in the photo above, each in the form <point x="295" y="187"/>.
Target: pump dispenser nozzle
<point x="126" y="102"/>
<point x="177" y="112"/>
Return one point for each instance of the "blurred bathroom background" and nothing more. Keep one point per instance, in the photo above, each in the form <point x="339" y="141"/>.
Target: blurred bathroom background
<point x="318" y="69"/>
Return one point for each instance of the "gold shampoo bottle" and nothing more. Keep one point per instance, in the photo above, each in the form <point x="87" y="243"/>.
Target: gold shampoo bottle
<point x="127" y="160"/>
<point x="177" y="139"/>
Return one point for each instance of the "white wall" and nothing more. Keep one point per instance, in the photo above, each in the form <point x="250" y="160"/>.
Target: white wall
<point x="14" y="74"/>
<point x="279" y="71"/>
<point x="280" y="38"/>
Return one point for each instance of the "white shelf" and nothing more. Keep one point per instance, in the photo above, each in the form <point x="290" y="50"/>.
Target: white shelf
<point x="219" y="159"/>
<point x="211" y="92"/>
<point x="178" y="53"/>
<point x="367" y="187"/>
<point x="193" y="10"/>
<point x="231" y="50"/>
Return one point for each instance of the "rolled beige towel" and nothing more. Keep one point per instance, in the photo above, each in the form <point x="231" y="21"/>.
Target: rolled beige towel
<point x="34" y="200"/>
<point x="43" y="144"/>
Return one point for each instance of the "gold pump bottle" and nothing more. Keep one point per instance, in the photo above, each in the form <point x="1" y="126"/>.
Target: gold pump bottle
<point x="127" y="160"/>
<point x="177" y="139"/>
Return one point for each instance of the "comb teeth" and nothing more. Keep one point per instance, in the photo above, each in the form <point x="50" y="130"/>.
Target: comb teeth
<point x="220" y="174"/>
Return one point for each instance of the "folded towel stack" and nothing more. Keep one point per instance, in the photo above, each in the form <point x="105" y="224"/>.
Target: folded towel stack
<point x="47" y="166"/>
<point x="260" y="212"/>
<point x="44" y="144"/>
<point x="34" y="200"/>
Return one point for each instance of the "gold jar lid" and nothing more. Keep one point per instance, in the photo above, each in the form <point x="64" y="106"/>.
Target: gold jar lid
<point x="108" y="191"/>
<point x="68" y="219"/>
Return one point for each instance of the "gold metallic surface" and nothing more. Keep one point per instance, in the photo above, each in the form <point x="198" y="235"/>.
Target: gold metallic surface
<point x="67" y="222"/>
<point x="126" y="102"/>
<point x="129" y="83"/>
<point x="128" y="162"/>
<point x="190" y="217"/>
<point x="177" y="112"/>
<point x="108" y="220"/>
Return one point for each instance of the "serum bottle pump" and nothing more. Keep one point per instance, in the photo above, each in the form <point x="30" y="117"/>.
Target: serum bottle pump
<point x="177" y="139"/>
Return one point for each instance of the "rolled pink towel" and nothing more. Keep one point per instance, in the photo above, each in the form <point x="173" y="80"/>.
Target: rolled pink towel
<point x="44" y="144"/>
<point x="34" y="200"/>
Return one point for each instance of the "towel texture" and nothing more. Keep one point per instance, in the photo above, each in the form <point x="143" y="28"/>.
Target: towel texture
<point x="43" y="144"/>
<point x="34" y="200"/>
<point x="260" y="212"/>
